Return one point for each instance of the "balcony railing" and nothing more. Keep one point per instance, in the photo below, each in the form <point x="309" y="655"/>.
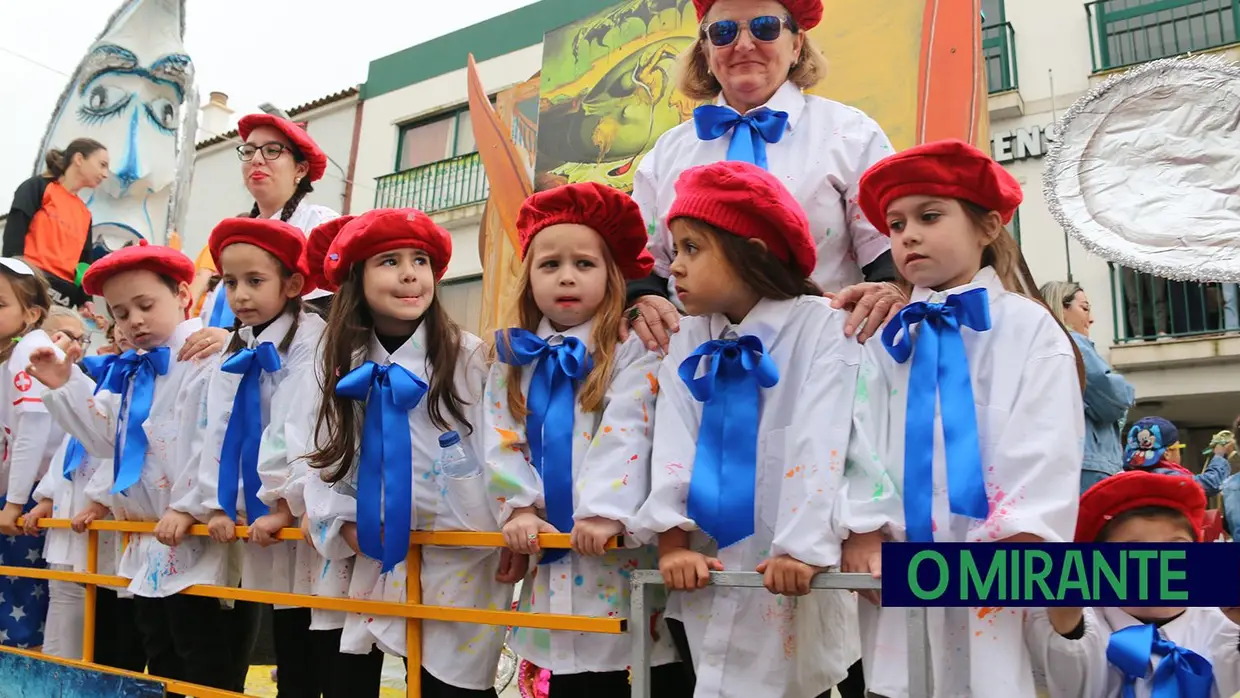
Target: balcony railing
<point x="1127" y="32"/>
<point x="1149" y="308"/>
<point x="999" y="50"/>
<point x="439" y="186"/>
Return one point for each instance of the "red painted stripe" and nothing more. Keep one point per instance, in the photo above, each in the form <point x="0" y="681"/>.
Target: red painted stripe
<point x="20" y="400"/>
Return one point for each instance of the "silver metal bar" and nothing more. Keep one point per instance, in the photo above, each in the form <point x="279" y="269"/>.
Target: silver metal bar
<point x="641" y="581"/>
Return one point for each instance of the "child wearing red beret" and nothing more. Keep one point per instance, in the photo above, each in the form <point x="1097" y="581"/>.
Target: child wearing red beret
<point x="402" y="383"/>
<point x="144" y="414"/>
<point x="968" y="421"/>
<point x="1108" y="652"/>
<point x="270" y="355"/>
<point x="579" y="461"/>
<point x="750" y="433"/>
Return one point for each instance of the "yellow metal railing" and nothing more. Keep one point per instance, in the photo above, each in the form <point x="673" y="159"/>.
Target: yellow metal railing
<point x="413" y="611"/>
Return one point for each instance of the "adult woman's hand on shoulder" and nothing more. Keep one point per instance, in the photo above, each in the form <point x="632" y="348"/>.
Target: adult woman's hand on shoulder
<point x="753" y="58"/>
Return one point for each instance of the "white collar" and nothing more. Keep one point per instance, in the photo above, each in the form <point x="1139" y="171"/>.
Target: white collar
<point x="788" y="98"/>
<point x="411" y="354"/>
<point x="181" y="333"/>
<point x="582" y="332"/>
<point x="764" y="322"/>
<point x="985" y="278"/>
<point x="273" y="333"/>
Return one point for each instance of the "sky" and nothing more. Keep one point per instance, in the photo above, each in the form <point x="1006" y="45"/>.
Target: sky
<point x="287" y="52"/>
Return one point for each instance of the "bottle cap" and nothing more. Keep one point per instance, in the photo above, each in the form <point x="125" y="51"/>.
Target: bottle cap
<point x="449" y="438"/>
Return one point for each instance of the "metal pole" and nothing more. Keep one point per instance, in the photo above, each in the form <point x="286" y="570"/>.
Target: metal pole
<point x="920" y="679"/>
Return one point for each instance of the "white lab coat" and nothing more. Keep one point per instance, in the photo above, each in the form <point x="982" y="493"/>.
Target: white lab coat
<point x="1079" y="668"/>
<point x="748" y="642"/>
<point x="820" y="159"/>
<point x="62" y="548"/>
<point x="174" y="431"/>
<point x="611" y="479"/>
<point x="1031" y="430"/>
<point x="31" y="435"/>
<point x="277" y="567"/>
<point x="458" y="654"/>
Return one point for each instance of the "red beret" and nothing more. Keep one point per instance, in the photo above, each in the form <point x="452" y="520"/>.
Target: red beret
<point x="317" y="244"/>
<point x="1135" y="489"/>
<point x="295" y="133"/>
<point x="164" y="261"/>
<point x="609" y="212"/>
<point x="948" y="168"/>
<point x="383" y="230"/>
<point x="749" y="202"/>
<point x="807" y="13"/>
<point x="285" y="242"/>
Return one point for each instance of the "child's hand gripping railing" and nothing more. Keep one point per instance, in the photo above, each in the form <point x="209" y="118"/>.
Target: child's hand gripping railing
<point x="412" y="610"/>
<point x="643" y="581"/>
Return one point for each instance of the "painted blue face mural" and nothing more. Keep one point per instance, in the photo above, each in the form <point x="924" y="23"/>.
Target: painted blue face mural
<point x="134" y="93"/>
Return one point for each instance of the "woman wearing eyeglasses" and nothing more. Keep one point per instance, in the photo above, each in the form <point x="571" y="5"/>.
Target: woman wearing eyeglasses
<point x="753" y="60"/>
<point x="279" y="163"/>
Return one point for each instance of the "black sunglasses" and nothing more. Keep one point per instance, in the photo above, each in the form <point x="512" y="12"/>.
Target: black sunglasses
<point x="766" y="28"/>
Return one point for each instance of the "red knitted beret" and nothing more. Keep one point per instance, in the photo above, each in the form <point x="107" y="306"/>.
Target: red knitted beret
<point x="315" y="253"/>
<point x="609" y="212"/>
<point x="949" y="168"/>
<point x="807" y="13"/>
<point x="296" y="135"/>
<point x="285" y="242"/>
<point x="383" y="230"/>
<point x="1135" y="489"/>
<point x="749" y="202"/>
<point x="164" y="261"/>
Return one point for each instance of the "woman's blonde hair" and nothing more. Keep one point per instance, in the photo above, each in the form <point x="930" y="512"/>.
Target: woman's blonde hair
<point x="695" y="80"/>
<point x="603" y="334"/>
<point x="1058" y="296"/>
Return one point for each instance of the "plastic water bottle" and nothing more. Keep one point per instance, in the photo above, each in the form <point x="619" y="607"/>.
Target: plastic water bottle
<point x="453" y="462"/>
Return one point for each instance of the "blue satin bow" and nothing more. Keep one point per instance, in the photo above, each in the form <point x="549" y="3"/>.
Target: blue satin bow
<point x="99" y="368"/>
<point x="221" y="314"/>
<point x="1181" y="673"/>
<point x="549" y="425"/>
<point x="239" y="455"/>
<point x="940" y="367"/>
<point x="721" y="490"/>
<point x="140" y="370"/>
<point x="385" y="465"/>
<point x="750" y="132"/>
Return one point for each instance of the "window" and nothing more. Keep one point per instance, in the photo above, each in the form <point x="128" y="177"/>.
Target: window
<point x="993" y="12"/>
<point x="440" y="138"/>
<point x="1133" y="31"/>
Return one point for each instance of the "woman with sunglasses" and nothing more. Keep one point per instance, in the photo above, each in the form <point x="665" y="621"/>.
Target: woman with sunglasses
<point x="279" y="164"/>
<point x="753" y="60"/>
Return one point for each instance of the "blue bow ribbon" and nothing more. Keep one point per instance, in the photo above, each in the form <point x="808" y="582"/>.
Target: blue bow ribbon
<point x="549" y="425"/>
<point x="721" y="490"/>
<point x="140" y="371"/>
<point x="221" y="314"/>
<point x="239" y="455"/>
<point x="940" y="367"/>
<point x="99" y="368"/>
<point x="1181" y="673"/>
<point x="385" y="465"/>
<point x="750" y="132"/>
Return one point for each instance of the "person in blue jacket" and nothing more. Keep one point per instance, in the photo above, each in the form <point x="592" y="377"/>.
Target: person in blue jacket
<point x="1108" y="396"/>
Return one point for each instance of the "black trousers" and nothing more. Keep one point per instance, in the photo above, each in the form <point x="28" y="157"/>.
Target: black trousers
<point x="118" y="642"/>
<point x="667" y="681"/>
<point x="322" y="670"/>
<point x="194" y="639"/>
<point x="853" y="686"/>
<point x="434" y="688"/>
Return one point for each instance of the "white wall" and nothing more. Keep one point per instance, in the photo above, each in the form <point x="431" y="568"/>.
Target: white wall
<point x="381" y="121"/>
<point x="218" y="192"/>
